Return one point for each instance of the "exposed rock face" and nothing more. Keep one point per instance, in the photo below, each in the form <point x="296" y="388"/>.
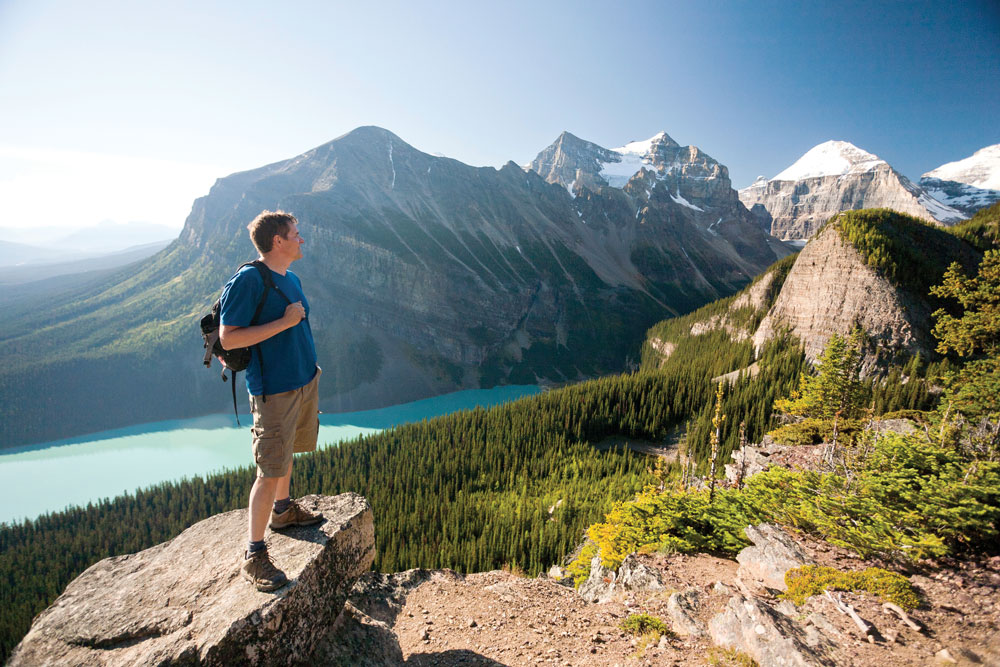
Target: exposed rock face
<point x="185" y="602"/>
<point x="830" y="288"/>
<point x="681" y="607"/>
<point x="967" y="185"/>
<point x="602" y="584"/>
<point x="833" y="177"/>
<point x="424" y="275"/>
<point x="751" y="626"/>
<point x="771" y="556"/>
<point x="363" y="635"/>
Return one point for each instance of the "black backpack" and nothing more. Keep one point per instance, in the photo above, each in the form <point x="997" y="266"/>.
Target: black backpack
<point x="238" y="358"/>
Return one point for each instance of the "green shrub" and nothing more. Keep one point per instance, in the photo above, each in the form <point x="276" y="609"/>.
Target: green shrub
<point x="808" y="580"/>
<point x="816" y="431"/>
<point x="728" y="657"/>
<point x="644" y="624"/>
<point x="907" y="497"/>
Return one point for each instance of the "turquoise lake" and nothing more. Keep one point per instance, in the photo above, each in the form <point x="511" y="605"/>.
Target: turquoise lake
<point x="50" y="476"/>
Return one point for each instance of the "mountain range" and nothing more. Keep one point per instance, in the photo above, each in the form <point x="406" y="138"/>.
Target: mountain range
<point x="424" y="274"/>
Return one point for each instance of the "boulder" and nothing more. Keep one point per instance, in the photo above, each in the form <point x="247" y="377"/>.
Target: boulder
<point x="773" y="554"/>
<point x="752" y="460"/>
<point x="750" y="626"/>
<point x="600" y="584"/>
<point x="185" y="601"/>
<point x="632" y="576"/>
<point x="681" y="607"/>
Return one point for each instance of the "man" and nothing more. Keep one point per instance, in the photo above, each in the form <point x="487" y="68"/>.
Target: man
<point x="282" y="379"/>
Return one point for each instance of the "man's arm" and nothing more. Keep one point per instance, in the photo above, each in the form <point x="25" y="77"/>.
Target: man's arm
<point x="232" y="337"/>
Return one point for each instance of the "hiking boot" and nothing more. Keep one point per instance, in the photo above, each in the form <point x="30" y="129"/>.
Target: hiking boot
<point x="294" y="516"/>
<point x="261" y="572"/>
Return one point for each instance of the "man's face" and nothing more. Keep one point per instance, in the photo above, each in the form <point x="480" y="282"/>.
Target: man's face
<point x="290" y="245"/>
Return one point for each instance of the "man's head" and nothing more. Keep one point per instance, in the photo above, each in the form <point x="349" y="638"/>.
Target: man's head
<point x="275" y="227"/>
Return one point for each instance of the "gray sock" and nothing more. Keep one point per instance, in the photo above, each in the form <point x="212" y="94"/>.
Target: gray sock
<point x="254" y="547"/>
<point x="282" y="505"/>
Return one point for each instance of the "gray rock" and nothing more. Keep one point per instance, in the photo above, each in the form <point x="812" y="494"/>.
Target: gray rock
<point x="681" y="607"/>
<point x="749" y="625"/>
<point x="184" y="601"/>
<point x="752" y="460"/>
<point x="632" y="576"/>
<point x="773" y="554"/>
<point x="600" y="584"/>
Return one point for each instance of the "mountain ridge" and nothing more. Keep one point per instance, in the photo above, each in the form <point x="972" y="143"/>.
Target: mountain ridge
<point x="832" y="177"/>
<point x="425" y="275"/>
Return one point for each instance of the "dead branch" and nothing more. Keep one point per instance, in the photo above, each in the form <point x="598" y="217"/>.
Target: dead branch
<point x="848" y="610"/>
<point x="903" y="616"/>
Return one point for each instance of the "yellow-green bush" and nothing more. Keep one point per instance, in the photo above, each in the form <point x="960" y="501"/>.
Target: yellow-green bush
<point x="643" y="624"/>
<point x="808" y="580"/>
<point x="814" y="431"/>
<point x="908" y="497"/>
<point x="728" y="657"/>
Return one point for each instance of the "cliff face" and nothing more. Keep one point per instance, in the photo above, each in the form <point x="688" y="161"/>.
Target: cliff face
<point x="424" y="275"/>
<point x="830" y="288"/>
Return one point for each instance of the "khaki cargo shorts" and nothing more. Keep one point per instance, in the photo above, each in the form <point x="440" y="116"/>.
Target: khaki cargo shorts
<point x="284" y="424"/>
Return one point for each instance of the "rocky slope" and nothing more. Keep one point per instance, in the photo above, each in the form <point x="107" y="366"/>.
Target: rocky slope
<point x="425" y="275"/>
<point x="832" y="177"/>
<point x="967" y="185"/>
<point x="183" y="602"/>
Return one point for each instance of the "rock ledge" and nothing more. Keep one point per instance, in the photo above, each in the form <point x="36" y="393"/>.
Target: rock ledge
<point x="185" y="602"/>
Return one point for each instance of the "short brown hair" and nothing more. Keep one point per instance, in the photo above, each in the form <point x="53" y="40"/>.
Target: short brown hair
<point x="264" y="227"/>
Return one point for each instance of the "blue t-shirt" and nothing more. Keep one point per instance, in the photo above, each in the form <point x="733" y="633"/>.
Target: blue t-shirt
<point x="290" y="356"/>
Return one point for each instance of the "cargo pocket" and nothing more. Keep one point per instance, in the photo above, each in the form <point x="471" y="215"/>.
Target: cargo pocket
<point x="268" y="454"/>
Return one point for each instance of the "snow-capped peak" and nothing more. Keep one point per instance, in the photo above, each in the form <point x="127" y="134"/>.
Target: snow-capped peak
<point x="644" y="147"/>
<point x="831" y="158"/>
<point x="981" y="169"/>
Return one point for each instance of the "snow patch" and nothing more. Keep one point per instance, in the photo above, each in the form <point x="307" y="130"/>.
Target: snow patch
<point x="569" y="188"/>
<point x="832" y="158"/>
<point x="633" y="157"/>
<point x="684" y="202"/>
<point x="617" y="174"/>
<point x="939" y="211"/>
<point x="392" y="186"/>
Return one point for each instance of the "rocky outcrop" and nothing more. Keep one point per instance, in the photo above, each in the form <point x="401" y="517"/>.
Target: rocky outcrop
<point x="185" y="602"/>
<point x="830" y="288"/>
<point x="773" y="553"/>
<point x="682" y="608"/>
<point x="753" y="627"/>
<point x="833" y="177"/>
<point x="603" y="584"/>
<point x="967" y="185"/>
<point x="364" y="635"/>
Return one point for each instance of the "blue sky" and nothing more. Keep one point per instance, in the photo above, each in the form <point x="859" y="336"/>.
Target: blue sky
<point x="127" y="111"/>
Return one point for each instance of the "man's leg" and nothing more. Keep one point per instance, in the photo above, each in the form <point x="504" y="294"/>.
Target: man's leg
<point x="283" y="489"/>
<point x="262" y="497"/>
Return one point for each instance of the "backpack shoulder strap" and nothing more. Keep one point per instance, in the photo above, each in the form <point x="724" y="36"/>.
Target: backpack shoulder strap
<point x="265" y="275"/>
